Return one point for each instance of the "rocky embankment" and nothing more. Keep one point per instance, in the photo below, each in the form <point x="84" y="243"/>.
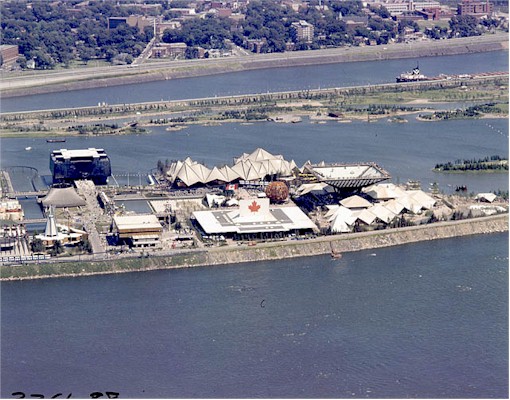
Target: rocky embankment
<point x="264" y="251"/>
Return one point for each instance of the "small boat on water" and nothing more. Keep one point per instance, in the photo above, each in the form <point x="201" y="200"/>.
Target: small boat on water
<point x="334" y="253"/>
<point x="28" y="148"/>
<point x="55" y="140"/>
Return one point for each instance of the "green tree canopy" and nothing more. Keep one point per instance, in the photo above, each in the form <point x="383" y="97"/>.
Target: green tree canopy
<point x="464" y="25"/>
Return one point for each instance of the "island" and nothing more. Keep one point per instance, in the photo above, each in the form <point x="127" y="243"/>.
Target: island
<point x="486" y="164"/>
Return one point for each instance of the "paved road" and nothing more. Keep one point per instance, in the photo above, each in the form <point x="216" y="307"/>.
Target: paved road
<point x="11" y="81"/>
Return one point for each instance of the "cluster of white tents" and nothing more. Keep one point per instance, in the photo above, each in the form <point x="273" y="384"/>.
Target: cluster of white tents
<point x="249" y="167"/>
<point x="392" y="201"/>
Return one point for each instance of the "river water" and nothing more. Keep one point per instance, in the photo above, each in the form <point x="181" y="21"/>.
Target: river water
<point x="261" y="81"/>
<point x="426" y="320"/>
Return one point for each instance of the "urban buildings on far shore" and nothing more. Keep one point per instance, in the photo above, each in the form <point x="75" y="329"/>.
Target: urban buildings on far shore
<point x="302" y="31"/>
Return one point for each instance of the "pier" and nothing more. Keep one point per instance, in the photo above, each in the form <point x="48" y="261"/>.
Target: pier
<point x="34" y="193"/>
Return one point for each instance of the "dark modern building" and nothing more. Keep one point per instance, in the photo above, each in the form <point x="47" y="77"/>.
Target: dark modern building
<point x="69" y="165"/>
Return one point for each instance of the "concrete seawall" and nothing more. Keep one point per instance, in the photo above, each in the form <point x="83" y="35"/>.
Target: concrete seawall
<point x="266" y="251"/>
<point x="362" y="241"/>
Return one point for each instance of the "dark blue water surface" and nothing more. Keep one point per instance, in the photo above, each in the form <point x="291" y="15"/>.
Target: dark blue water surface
<point x="427" y="320"/>
<point x="260" y="81"/>
<point x="406" y="151"/>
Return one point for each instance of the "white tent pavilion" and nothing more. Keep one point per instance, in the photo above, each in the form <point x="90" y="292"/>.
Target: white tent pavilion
<point x="382" y="213"/>
<point x="426" y="201"/>
<point x="488" y="197"/>
<point x="355" y="202"/>
<point x="342" y="220"/>
<point x="384" y="191"/>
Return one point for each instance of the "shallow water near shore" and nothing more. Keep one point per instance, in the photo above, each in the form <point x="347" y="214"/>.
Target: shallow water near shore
<point x="422" y="320"/>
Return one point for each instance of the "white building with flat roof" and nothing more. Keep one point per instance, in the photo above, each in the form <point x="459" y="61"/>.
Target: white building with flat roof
<point x="304" y="31"/>
<point x="138" y="230"/>
<point x="254" y="218"/>
<point x="347" y="176"/>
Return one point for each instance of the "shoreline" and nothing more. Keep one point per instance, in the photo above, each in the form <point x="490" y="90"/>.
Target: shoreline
<point x="158" y="71"/>
<point x="278" y="107"/>
<point x="262" y="252"/>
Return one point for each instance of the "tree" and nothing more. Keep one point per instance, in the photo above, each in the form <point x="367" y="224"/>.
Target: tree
<point x="43" y="60"/>
<point x="436" y="32"/>
<point x="85" y="246"/>
<point x="269" y="20"/>
<point x="405" y="23"/>
<point x="85" y="53"/>
<point x="209" y="33"/>
<point x="37" y="246"/>
<point x="50" y="31"/>
<point x="57" y="248"/>
<point x="464" y="25"/>
<point x="191" y="52"/>
<point x="381" y="11"/>
<point x="347" y="7"/>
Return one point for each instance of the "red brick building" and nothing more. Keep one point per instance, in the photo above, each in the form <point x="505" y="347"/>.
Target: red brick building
<point x="474" y="7"/>
<point x="9" y="54"/>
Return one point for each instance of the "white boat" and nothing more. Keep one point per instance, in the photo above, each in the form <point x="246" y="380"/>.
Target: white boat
<point x="28" y="148"/>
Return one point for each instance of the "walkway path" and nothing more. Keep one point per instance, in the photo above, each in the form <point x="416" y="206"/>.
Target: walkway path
<point x="88" y="190"/>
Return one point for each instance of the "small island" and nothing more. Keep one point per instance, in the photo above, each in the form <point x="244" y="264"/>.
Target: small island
<point x="487" y="164"/>
<point x="487" y="110"/>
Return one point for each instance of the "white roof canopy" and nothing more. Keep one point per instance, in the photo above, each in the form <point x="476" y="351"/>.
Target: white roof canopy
<point x="355" y="202"/>
<point x="250" y="167"/>
<point x="384" y="191"/>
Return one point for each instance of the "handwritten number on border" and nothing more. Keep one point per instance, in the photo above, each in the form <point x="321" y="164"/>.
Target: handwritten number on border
<point x="93" y="395"/>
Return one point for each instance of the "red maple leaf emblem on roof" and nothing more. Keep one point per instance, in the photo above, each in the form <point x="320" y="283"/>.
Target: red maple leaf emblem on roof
<point x="254" y="207"/>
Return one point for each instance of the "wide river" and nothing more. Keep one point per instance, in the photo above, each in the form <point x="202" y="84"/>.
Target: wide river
<point x="427" y="320"/>
<point x="261" y="81"/>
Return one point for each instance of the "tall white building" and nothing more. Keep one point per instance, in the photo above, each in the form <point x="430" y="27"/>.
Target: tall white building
<point x="304" y="31"/>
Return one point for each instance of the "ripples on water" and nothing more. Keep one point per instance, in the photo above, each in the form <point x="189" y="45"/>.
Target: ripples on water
<point x="395" y="324"/>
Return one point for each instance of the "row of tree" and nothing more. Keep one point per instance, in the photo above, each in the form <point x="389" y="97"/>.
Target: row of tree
<point x="470" y="112"/>
<point x="492" y="163"/>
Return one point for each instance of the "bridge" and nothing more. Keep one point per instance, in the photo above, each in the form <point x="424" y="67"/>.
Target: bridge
<point x="34" y="220"/>
<point x="34" y="193"/>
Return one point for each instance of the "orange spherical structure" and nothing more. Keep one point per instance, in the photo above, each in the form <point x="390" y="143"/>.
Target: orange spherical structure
<point x="277" y="192"/>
